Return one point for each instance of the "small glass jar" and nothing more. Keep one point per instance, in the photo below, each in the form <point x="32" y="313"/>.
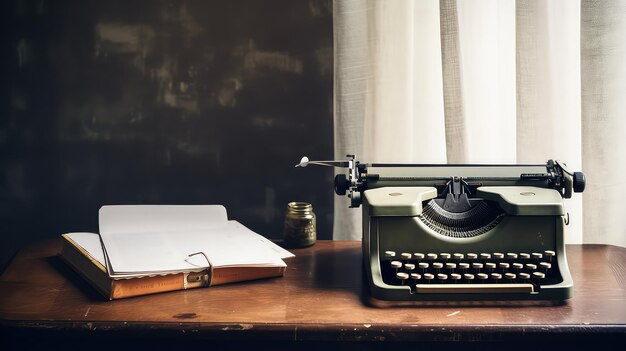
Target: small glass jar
<point x="300" y="228"/>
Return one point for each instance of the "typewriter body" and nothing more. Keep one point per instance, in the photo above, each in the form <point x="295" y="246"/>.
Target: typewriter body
<point x="462" y="232"/>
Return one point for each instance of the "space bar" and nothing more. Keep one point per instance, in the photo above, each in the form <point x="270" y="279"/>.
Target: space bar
<point x="473" y="288"/>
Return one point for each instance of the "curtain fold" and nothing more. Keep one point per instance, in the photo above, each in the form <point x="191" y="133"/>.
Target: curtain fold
<point x="456" y="129"/>
<point x="603" y="49"/>
<point x="548" y="90"/>
<point x="485" y="82"/>
<point x="396" y="76"/>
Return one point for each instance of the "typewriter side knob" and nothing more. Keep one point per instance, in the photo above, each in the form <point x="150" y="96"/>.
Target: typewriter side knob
<point x="341" y="184"/>
<point x="572" y="181"/>
<point x="579" y="182"/>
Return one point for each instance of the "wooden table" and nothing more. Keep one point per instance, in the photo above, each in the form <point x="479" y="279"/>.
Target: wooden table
<point x="320" y="302"/>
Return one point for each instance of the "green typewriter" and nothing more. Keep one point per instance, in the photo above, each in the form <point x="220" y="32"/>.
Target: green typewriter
<point x="462" y="232"/>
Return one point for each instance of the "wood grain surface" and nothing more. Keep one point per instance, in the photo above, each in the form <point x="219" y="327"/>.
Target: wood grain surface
<point x="321" y="297"/>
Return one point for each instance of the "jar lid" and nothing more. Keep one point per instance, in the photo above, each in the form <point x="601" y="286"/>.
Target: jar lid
<point x="299" y="206"/>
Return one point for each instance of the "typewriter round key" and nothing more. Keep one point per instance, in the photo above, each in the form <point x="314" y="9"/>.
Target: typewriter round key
<point x="537" y="255"/>
<point x="518" y="266"/>
<point x="423" y="265"/>
<point x="402" y="276"/>
<point x="455" y="276"/>
<point x="485" y="256"/>
<point x="477" y="265"/>
<point x="390" y="254"/>
<point x="504" y="265"/>
<point x="428" y="276"/>
<point x="406" y="256"/>
<point x="510" y="276"/>
<point x="549" y="253"/>
<point x="496" y="276"/>
<point x="524" y="256"/>
<point x="538" y="275"/>
<point x="468" y="276"/>
<point x="458" y="256"/>
<point x="482" y="276"/>
<point x="498" y="255"/>
<point x="396" y="264"/>
<point x="511" y="256"/>
<point x="524" y="275"/>
<point x="451" y="265"/>
<point x="445" y="256"/>
<point x="437" y="265"/>
<point x="472" y="256"/>
<point x="531" y="266"/>
<point x="431" y="256"/>
<point x="416" y="276"/>
<point x="409" y="266"/>
<point x="490" y="265"/>
<point x="545" y="265"/>
<point x="418" y="256"/>
<point x="442" y="276"/>
<point x="464" y="265"/>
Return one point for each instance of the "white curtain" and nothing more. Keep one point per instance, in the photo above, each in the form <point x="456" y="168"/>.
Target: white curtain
<point x="487" y="81"/>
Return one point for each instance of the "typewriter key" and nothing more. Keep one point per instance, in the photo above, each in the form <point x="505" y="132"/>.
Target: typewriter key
<point x="510" y="276"/>
<point x="539" y="275"/>
<point x="402" y="276"/>
<point x="396" y="264"/>
<point x="390" y="254"/>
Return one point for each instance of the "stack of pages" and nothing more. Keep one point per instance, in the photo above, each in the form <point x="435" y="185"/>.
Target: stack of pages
<point x="149" y="249"/>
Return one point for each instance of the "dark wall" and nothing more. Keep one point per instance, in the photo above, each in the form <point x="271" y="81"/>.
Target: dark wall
<point x="163" y="102"/>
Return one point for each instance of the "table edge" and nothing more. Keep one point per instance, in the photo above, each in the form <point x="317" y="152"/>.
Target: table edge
<point x="328" y="332"/>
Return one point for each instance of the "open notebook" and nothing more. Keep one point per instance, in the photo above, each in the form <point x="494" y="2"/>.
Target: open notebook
<point x="143" y="240"/>
<point x="149" y="249"/>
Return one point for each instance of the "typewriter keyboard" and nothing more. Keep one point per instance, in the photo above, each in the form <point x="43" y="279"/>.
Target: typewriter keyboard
<point x="486" y="272"/>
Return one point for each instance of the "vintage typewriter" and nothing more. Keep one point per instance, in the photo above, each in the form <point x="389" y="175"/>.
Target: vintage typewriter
<point x="462" y="232"/>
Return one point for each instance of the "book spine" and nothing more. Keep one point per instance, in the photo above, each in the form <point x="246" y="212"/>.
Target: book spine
<point x="147" y="285"/>
<point x="124" y="288"/>
<point x="238" y="274"/>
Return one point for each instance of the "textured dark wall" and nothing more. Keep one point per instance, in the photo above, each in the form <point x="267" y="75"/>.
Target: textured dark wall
<point x="163" y="102"/>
